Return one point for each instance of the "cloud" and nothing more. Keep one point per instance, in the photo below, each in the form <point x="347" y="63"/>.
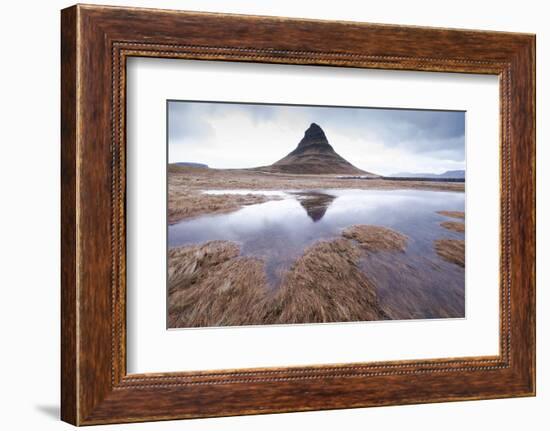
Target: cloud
<point x="229" y="135"/>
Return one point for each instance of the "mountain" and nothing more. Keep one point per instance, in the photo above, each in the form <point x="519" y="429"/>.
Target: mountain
<point x="314" y="155"/>
<point x="454" y="174"/>
<point x="461" y="174"/>
<point x="191" y="165"/>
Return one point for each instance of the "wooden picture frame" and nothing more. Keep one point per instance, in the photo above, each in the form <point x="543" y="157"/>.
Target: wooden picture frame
<point x="95" y="43"/>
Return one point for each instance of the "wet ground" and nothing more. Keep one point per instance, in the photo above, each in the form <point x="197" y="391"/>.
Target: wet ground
<point x="415" y="283"/>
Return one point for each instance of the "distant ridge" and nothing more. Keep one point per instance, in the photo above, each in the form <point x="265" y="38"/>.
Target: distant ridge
<point x="190" y="165"/>
<point x="448" y="174"/>
<point x="314" y="155"/>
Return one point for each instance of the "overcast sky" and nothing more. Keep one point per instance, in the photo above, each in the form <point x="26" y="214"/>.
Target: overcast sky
<point x="382" y="141"/>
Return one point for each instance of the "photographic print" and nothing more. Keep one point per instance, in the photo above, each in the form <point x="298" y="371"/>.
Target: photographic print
<point x="299" y="214"/>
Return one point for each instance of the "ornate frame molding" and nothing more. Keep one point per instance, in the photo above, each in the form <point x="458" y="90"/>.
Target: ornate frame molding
<point x="96" y="41"/>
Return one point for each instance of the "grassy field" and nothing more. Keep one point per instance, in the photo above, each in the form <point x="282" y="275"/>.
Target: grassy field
<point x="186" y="200"/>
<point x="212" y="284"/>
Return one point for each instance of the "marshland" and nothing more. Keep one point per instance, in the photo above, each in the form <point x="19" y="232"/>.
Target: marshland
<point x="312" y="237"/>
<point x="252" y="248"/>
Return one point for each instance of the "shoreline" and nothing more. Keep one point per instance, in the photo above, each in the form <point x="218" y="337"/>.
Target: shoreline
<point x="186" y="185"/>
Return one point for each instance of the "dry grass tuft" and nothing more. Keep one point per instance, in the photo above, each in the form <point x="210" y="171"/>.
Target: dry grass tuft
<point x="326" y="285"/>
<point x="211" y="286"/>
<point x="453" y="214"/>
<point x="452" y="250"/>
<point x="376" y="238"/>
<point x="454" y="226"/>
<point x="187" y="264"/>
<point x="185" y="204"/>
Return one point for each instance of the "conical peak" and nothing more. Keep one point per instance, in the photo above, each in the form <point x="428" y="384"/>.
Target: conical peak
<point x="315" y="132"/>
<point x="314" y="155"/>
<point x="314" y="128"/>
<point x="313" y="135"/>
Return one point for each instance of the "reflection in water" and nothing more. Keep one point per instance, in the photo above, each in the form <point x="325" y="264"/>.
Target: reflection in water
<point x="417" y="282"/>
<point x="315" y="203"/>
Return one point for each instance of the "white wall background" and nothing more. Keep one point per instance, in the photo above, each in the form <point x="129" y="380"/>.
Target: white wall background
<point x="29" y="228"/>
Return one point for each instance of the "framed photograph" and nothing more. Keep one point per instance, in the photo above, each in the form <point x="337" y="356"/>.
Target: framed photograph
<point x="264" y="214"/>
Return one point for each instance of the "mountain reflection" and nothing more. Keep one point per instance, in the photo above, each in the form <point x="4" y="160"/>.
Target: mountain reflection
<point x="315" y="203"/>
